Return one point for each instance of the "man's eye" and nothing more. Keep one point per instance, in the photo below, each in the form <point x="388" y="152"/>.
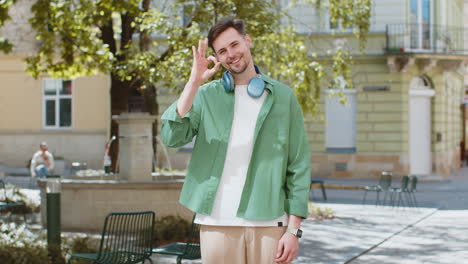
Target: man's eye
<point x="221" y="52"/>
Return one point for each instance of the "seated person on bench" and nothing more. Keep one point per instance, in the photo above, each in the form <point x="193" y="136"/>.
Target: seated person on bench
<point x="42" y="162"/>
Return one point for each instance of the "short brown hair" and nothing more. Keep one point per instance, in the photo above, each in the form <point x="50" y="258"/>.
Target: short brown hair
<point x="222" y="25"/>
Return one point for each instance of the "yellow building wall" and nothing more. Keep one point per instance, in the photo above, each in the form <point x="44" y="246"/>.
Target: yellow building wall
<point x="21" y="117"/>
<point x="21" y="99"/>
<point x="20" y="104"/>
<point x="92" y="98"/>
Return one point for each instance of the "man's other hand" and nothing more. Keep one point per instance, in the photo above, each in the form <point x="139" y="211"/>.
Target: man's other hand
<point x="288" y="247"/>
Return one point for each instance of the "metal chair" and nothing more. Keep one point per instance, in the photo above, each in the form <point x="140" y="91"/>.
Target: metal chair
<point x="322" y="186"/>
<point x="411" y="190"/>
<point x="126" y="239"/>
<point x="7" y="204"/>
<point x="183" y="250"/>
<point x="399" y="190"/>
<point x="383" y="186"/>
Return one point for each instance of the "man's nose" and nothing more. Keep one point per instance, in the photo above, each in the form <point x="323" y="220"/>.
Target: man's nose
<point x="230" y="53"/>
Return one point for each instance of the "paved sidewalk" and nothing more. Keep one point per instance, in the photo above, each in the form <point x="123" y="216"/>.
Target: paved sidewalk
<point x="356" y="229"/>
<point x="441" y="238"/>
<point x="381" y="234"/>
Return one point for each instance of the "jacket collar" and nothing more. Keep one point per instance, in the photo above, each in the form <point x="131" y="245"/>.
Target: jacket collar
<point x="269" y="83"/>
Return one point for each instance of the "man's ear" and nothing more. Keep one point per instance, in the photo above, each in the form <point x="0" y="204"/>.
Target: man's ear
<point x="248" y="40"/>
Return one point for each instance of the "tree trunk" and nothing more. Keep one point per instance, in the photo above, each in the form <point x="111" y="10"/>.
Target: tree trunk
<point x="149" y="94"/>
<point x="119" y="92"/>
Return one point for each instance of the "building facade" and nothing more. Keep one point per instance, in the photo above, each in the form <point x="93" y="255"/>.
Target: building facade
<point x="72" y="116"/>
<point x="404" y="112"/>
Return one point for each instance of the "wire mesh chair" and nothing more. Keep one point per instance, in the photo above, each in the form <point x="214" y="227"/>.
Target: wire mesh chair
<point x="183" y="250"/>
<point x="384" y="184"/>
<point x="400" y="191"/>
<point x="413" y="182"/>
<point x="126" y="239"/>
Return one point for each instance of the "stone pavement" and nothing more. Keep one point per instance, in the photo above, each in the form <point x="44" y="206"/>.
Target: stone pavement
<point x="382" y="234"/>
<point x="440" y="238"/>
<point x="435" y="232"/>
<point x="371" y="234"/>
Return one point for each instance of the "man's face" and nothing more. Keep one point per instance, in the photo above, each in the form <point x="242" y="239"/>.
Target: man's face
<point x="232" y="49"/>
<point x="44" y="147"/>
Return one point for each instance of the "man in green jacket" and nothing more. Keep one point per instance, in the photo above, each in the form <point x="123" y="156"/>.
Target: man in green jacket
<point x="249" y="175"/>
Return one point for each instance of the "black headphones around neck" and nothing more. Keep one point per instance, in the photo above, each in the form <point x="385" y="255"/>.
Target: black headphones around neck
<point x="255" y="88"/>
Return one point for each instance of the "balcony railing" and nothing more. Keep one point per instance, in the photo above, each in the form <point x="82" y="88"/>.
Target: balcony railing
<point x="425" y="38"/>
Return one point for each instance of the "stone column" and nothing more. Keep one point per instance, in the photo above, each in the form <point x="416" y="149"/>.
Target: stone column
<point x="135" y="146"/>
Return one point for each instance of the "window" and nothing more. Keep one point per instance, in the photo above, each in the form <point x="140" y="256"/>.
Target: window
<point x="341" y="123"/>
<point x="420" y="17"/>
<point x="337" y="26"/>
<point x="186" y="13"/>
<point x="57" y="103"/>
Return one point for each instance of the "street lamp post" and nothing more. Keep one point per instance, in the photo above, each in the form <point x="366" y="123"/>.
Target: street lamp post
<point x="53" y="190"/>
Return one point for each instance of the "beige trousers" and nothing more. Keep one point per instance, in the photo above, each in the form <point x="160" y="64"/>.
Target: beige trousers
<point x="239" y="245"/>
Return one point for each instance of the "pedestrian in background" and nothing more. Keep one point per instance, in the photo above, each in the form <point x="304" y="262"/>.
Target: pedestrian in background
<point x="42" y="162"/>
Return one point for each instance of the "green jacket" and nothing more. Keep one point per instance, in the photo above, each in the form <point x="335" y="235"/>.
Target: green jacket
<point x="278" y="177"/>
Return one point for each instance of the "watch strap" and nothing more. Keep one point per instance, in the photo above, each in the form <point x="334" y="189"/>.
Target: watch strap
<point x="296" y="232"/>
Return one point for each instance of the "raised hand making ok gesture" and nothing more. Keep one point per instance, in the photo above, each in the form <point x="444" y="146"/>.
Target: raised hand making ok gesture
<point x="200" y="71"/>
<point x="200" y="74"/>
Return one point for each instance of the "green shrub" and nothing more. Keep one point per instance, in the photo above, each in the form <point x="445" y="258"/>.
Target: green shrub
<point x="27" y="254"/>
<point x="82" y="245"/>
<point x="20" y="245"/>
<point x="30" y="254"/>
<point x="318" y="213"/>
<point x="171" y="228"/>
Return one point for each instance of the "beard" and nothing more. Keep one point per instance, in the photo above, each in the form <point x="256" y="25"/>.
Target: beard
<point x="242" y="67"/>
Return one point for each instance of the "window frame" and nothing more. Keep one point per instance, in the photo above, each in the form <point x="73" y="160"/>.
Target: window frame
<point x="339" y="28"/>
<point x="189" y="4"/>
<point x="329" y="148"/>
<point x="56" y="98"/>
<point x="420" y="30"/>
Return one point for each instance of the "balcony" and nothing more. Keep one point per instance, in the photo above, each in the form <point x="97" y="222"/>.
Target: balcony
<point x="426" y="39"/>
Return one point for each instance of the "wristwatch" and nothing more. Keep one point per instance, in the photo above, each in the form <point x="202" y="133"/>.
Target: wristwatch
<point x="296" y="232"/>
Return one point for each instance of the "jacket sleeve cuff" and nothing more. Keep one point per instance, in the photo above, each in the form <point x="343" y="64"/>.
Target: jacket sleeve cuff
<point x="297" y="208"/>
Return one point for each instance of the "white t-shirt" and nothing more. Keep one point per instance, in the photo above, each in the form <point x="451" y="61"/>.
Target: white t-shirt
<point x="239" y="152"/>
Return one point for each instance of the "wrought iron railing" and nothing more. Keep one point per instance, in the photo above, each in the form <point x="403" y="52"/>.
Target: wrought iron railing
<point x="425" y="38"/>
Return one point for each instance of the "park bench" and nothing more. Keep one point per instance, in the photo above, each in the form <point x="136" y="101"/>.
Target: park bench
<point x="7" y="204"/>
<point x="320" y="183"/>
<point x="126" y="239"/>
<point x="183" y="250"/>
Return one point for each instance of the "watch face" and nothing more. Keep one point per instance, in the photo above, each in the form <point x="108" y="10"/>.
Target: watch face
<point x="299" y="233"/>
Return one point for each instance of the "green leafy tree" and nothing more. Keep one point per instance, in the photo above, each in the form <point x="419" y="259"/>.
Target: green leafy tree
<point x="145" y="44"/>
<point x="5" y="45"/>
